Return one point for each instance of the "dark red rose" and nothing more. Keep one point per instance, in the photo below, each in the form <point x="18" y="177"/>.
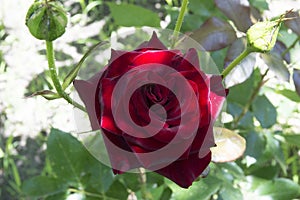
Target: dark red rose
<point x="156" y="110"/>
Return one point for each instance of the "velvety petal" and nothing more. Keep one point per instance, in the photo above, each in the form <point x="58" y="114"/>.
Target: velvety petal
<point x="163" y="57"/>
<point x="120" y="63"/>
<point x="190" y="62"/>
<point x="87" y="90"/>
<point x="184" y="172"/>
<point x="217" y="95"/>
<point x="120" y="154"/>
<point x="153" y="43"/>
<point x="106" y="87"/>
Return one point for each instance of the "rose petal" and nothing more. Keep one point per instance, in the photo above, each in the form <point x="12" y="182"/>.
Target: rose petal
<point x="163" y="57"/>
<point x="184" y="172"/>
<point x="154" y="43"/>
<point x="87" y="90"/>
<point x="120" y="162"/>
<point x="217" y="95"/>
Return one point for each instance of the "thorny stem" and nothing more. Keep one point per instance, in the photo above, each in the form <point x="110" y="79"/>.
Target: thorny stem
<point x="252" y="98"/>
<point x="179" y="22"/>
<point x="54" y="77"/>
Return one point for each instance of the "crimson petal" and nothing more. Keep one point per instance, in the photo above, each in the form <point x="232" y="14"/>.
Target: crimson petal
<point x="184" y="172"/>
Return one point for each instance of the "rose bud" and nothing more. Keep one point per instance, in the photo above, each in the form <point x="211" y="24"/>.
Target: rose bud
<point x="156" y="110"/>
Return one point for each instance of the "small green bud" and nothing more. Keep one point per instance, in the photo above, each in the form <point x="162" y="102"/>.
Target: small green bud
<point x="262" y="36"/>
<point x="46" y="20"/>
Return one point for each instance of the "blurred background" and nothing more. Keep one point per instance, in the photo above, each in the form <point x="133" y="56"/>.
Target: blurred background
<point x="262" y="107"/>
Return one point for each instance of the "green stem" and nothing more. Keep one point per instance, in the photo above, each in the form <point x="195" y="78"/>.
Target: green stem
<point x="251" y="100"/>
<point x="290" y="47"/>
<point x="179" y="22"/>
<point x="145" y="194"/>
<point x="236" y="61"/>
<point x="54" y="77"/>
<point x="98" y="196"/>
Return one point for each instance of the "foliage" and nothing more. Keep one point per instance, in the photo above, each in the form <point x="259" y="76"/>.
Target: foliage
<point x="261" y="105"/>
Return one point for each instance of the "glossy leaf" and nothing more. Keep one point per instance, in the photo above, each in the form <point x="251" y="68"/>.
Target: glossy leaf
<point x="42" y="186"/>
<point x="214" y="34"/>
<point x="278" y="189"/>
<point x="296" y="79"/>
<point x="277" y="66"/>
<point x="203" y="189"/>
<point x="238" y="11"/>
<point x="46" y="20"/>
<point x="135" y="15"/>
<point x="70" y="161"/>
<point x="244" y="69"/>
<point x="230" y="145"/>
<point x="67" y="156"/>
<point x="293" y="24"/>
<point x="264" y="111"/>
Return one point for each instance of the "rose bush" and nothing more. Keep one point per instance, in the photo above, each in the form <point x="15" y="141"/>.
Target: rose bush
<point x="156" y="110"/>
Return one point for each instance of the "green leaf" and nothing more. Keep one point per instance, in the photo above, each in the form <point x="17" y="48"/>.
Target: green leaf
<point x="273" y="147"/>
<point x="214" y="34"/>
<point x="291" y="95"/>
<point x="238" y="11"/>
<point x="70" y="162"/>
<point x="203" y="189"/>
<point x="46" y="20"/>
<point x="277" y="66"/>
<point x="47" y="94"/>
<point x="131" y="181"/>
<point x="154" y="178"/>
<point x="61" y="195"/>
<point x="264" y="111"/>
<point x="67" y="155"/>
<point x="260" y="4"/>
<point x="232" y="168"/>
<point x="255" y="145"/>
<point x="263" y="171"/>
<point x="132" y="15"/>
<point x="42" y="186"/>
<point x="166" y="194"/>
<point x="229" y="192"/>
<point x="292" y="139"/>
<point x="117" y="190"/>
<point x="245" y="88"/>
<point x="229" y="145"/>
<point x="278" y="189"/>
<point x="74" y="72"/>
